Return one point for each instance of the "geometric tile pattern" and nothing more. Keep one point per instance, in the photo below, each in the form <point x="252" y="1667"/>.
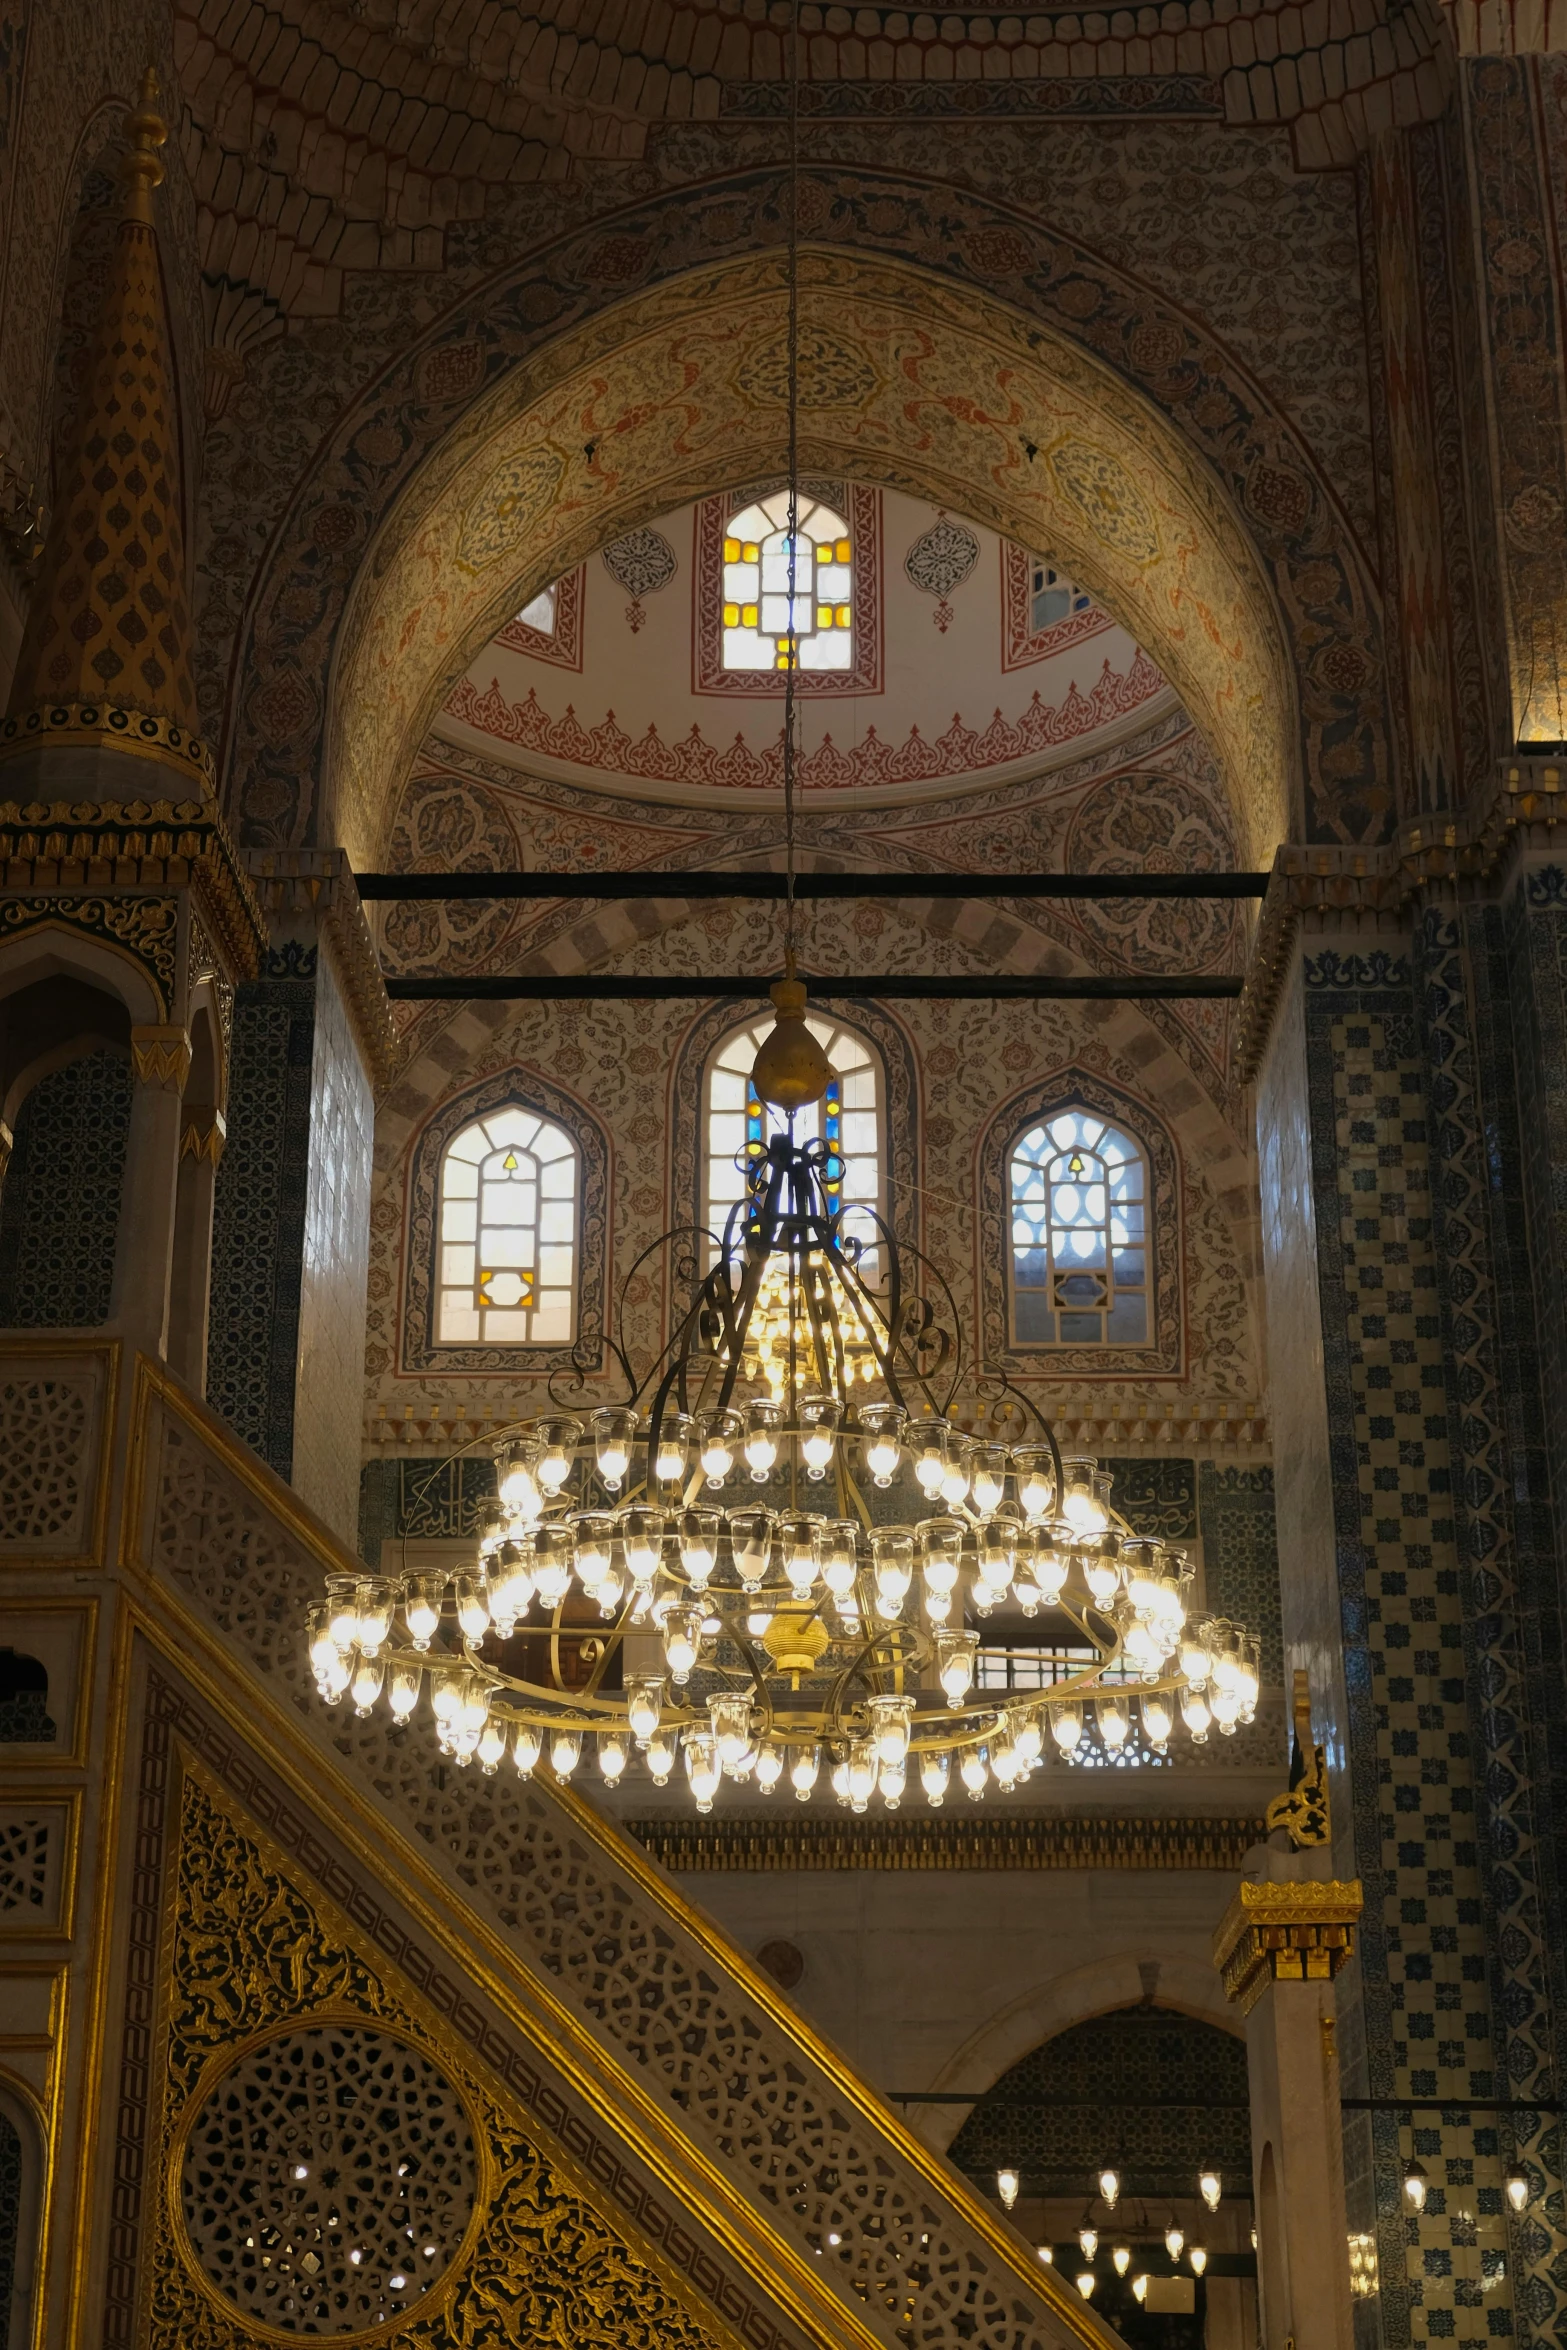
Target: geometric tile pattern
<point x="1159" y="2095"/>
<point x="60" y="1208"/>
<point x="43" y="1431"/>
<point x="258" y="1218"/>
<point x="1445" y="2275"/>
<point x="1240" y="1548"/>
<point x="25" y="1851"/>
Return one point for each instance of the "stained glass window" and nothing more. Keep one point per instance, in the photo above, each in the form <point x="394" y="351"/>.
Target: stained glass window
<point x="766" y="579"/>
<point x="1080" y="1243"/>
<point x="738" y="1125"/>
<point x="1051" y="596"/>
<point x="508" y="1233"/>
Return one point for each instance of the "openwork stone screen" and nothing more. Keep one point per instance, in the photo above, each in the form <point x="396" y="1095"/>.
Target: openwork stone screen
<point x="508" y="1245"/>
<point x="738" y="1125"/>
<point x="1079" y="1198"/>
<point x="328" y="2181"/>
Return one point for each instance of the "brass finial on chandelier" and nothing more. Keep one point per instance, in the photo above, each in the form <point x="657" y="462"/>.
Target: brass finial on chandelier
<point x="791" y="1069"/>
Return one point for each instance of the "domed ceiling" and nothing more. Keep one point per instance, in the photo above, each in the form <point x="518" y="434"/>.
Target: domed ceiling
<point x="938" y="659"/>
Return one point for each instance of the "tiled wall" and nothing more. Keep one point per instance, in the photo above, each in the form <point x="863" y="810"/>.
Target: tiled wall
<point x="291" y="1234"/>
<point x="60" y="1206"/>
<point x="335" y="1259"/>
<point x="1441" y="1993"/>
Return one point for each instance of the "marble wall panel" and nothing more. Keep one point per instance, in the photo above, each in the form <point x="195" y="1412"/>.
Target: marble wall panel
<point x="334" y="1264"/>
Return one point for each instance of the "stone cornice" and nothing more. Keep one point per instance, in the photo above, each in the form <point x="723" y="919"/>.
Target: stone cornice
<point x="113" y="845"/>
<point x="1348" y="890"/>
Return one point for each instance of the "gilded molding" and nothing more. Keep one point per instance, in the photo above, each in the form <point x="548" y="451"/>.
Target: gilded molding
<point x="1294" y="1931"/>
<point x="138" y="845"/>
<point x="145" y="928"/>
<point x="160" y="1056"/>
<point x="1082" y="1841"/>
<point x="1305" y="1811"/>
<point x="203" y="1135"/>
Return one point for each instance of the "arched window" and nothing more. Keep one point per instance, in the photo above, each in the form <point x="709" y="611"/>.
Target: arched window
<point x="736" y="1124"/>
<point x="508" y="1232"/>
<point x="757" y="565"/>
<point x="1079" y="1209"/>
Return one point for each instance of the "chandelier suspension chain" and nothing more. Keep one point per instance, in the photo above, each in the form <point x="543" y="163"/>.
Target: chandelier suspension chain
<point x="792" y="639"/>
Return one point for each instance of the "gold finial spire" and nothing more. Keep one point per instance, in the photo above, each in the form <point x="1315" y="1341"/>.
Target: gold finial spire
<point x="105" y="656"/>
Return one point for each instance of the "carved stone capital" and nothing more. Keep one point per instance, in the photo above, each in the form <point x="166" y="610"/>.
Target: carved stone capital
<point x="1298" y="1931"/>
<point x="202" y="1135"/>
<point x="161" y="1056"/>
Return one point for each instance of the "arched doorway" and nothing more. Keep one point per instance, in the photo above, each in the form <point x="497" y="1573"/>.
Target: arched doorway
<point x="1160" y="2098"/>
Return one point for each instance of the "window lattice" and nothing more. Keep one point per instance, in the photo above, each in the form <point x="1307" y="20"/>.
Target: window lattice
<point x="740" y="1125"/>
<point x="24" y="1863"/>
<point x="1079" y="1216"/>
<point x="508" y="1234"/>
<point x="328" y="2181"/>
<point x="774" y="583"/>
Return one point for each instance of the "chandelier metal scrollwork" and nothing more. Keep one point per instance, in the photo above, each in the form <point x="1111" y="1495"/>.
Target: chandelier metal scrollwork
<point x="622" y="1595"/>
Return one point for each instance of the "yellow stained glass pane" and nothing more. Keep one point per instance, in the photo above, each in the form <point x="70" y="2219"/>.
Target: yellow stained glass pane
<point x="748" y="616"/>
<point x="842" y="550"/>
<point x="843" y="615"/>
<point x="824" y="615"/>
<point x="731" y="550"/>
<point x="731" y="616"/>
<point x="753" y="552"/>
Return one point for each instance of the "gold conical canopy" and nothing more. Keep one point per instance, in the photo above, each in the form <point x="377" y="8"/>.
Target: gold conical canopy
<point x="105" y="656"/>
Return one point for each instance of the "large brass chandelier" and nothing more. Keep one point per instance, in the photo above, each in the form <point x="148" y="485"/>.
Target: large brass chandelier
<point x="825" y="1622"/>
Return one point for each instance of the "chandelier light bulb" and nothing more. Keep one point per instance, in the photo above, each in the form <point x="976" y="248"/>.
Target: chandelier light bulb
<point x="558" y="1441"/>
<point x="1086" y="2281"/>
<point x="1121" y="2259"/>
<point x="927" y="1441"/>
<point x="595" y="1546"/>
<point x="769" y="1767"/>
<point x="554" y="1548"/>
<point x="527" y="1745"/>
<point x="342" y="1610"/>
<point x="974" y="1772"/>
<point x="881" y="1429"/>
<point x="612" y="1758"/>
<point x="1047" y="2253"/>
<point x="614" y="1433"/>
<point x="718" y="1439"/>
<point x="955" y="1476"/>
<point x="699" y="1534"/>
<point x="987" y="1476"/>
<point x="704" y="1771"/>
<point x="1175" y="2239"/>
<point x="1158" y="1716"/>
<point x="511" y="1585"/>
<point x="731" y="1728"/>
<point x="642" y="1542"/>
<point x="473" y="1614"/>
<point x="377" y="1604"/>
<point x="422" y="1608"/>
<point x="1086" y="1496"/>
<point x="1109" y="2187"/>
<point x="682" y="1640"/>
<point x="661" y="1757"/>
<point x="565" y="1752"/>
<point x="1034" y="1468"/>
<point x="1066" y="1727"/>
<point x="1007" y="2185"/>
<point x="1416" y="2184"/>
<point x="492" y="1747"/>
<point x="517" y="1479"/>
<point x="1517" y="2187"/>
<point x="365" y="1685"/>
<point x="935" y="1771"/>
<point x="1139" y="2290"/>
<point x="1088" y="2240"/>
<point x="1195" y="1714"/>
<point x="1197" y="2254"/>
<point x="1210" y="2186"/>
<point x="892" y="1560"/>
<point x="403" y="1690"/>
<point x="804" y="1771"/>
<point x="644" y="1705"/>
<point x="819" y="1420"/>
<point x="321" y="1646"/>
<point x="761" y="1440"/>
<point x="955" y="1654"/>
<point x="1115" y="1722"/>
<point x="671" y="1454"/>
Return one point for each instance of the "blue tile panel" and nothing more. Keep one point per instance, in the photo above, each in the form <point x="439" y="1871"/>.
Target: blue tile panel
<point x="1448" y="1991"/>
<point x="259" y="1209"/>
<point x="60" y="1206"/>
<point x="1240" y="1548"/>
